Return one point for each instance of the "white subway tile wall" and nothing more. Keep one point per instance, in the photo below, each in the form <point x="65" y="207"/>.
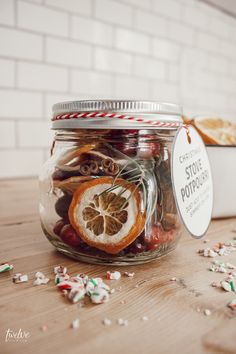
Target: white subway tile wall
<point x="56" y="50"/>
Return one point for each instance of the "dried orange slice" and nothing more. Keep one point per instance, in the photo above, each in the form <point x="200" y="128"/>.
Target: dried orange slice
<point x="216" y="130"/>
<point x="107" y="219"/>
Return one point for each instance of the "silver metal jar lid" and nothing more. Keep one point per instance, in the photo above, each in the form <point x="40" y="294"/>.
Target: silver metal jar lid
<point x="116" y="114"/>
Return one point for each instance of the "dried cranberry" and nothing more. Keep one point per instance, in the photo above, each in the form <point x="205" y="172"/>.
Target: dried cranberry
<point x="136" y="247"/>
<point x="58" y="226"/>
<point x="69" y="236"/>
<point x="154" y="238"/>
<point x="62" y="206"/>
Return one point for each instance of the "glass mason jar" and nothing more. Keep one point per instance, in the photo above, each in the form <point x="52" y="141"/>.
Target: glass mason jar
<point x="106" y="194"/>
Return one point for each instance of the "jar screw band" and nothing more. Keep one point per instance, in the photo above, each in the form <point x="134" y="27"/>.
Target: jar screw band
<point x="116" y="116"/>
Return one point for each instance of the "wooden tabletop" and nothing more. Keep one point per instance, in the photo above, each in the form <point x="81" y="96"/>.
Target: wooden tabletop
<point x="175" y="309"/>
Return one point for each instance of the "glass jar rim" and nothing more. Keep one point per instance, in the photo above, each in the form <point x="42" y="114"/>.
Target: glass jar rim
<point x="127" y="114"/>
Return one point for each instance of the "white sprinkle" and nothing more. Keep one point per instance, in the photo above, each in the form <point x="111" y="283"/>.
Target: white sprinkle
<point x="218" y="269"/>
<point x="41" y="281"/>
<point x="230" y="266"/>
<point x="144" y="318"/>
<point x="37" y="281"/>
<point x="129" y="274"/>
<point x="207" y="252"/>
<point x="60" y="270"/>
<point x="198" y="309"/>
<point x="225" y="285"/>
<point x="122" y="322"/>
<point x="113" y="275"/>
<point x="39" y="275"/>
<point x="222" y="269"/>
<point x="75" y="323"/>
<point x="122" y="302"/>
<point x="112" y="291"/>
<point x="106" y="322"/>
<point x="212" y="253"/>
<point x="20" y="278"/>
<point x="173" y="279"/>
<point x="207" y="312"/>
<point x="222" y="251"/>
<point x="206" y="240"/>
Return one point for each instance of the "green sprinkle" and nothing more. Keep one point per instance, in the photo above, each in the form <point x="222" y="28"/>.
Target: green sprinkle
<point x="232" y="286"/>
<point x="5" y="267"/>
<point x="93" y="281"/>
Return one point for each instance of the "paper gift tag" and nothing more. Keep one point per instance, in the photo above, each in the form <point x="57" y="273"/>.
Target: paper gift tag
<point x="192" y="181"/>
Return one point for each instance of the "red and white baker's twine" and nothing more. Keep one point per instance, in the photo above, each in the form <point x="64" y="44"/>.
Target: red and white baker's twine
<point x="118" y="116"/>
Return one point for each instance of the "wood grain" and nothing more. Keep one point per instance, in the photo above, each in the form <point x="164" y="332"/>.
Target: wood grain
<point x="174" y="325"/>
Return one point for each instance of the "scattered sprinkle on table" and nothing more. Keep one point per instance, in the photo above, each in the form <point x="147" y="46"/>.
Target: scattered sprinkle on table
<point x="20" y="278"/>
<point x="113" y="275"/>
<point x="44" y="328"/>
<point x="99" y="296"/>
<point x="207" y="312"/>
<point x="77" y="287"/>
<point x="129" y="274"/>
<point x="5" y="267"/>
<point x="226" y="286"/>
<point x="40" y="279"/>
<point x="122" y="322"/>
<point x="75" y="323"/>
<point x="144" y="318"/>
<point x="220" y="249"/>
<point x="106" y="322"/>
<point x="232" y="304"/>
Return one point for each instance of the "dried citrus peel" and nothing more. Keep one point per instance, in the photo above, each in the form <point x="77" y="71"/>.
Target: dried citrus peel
<point x="107" y="220"/>
<point x="73" y="155"/>
<point x="70" y="185"/>
<point x="216" y="130"/>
